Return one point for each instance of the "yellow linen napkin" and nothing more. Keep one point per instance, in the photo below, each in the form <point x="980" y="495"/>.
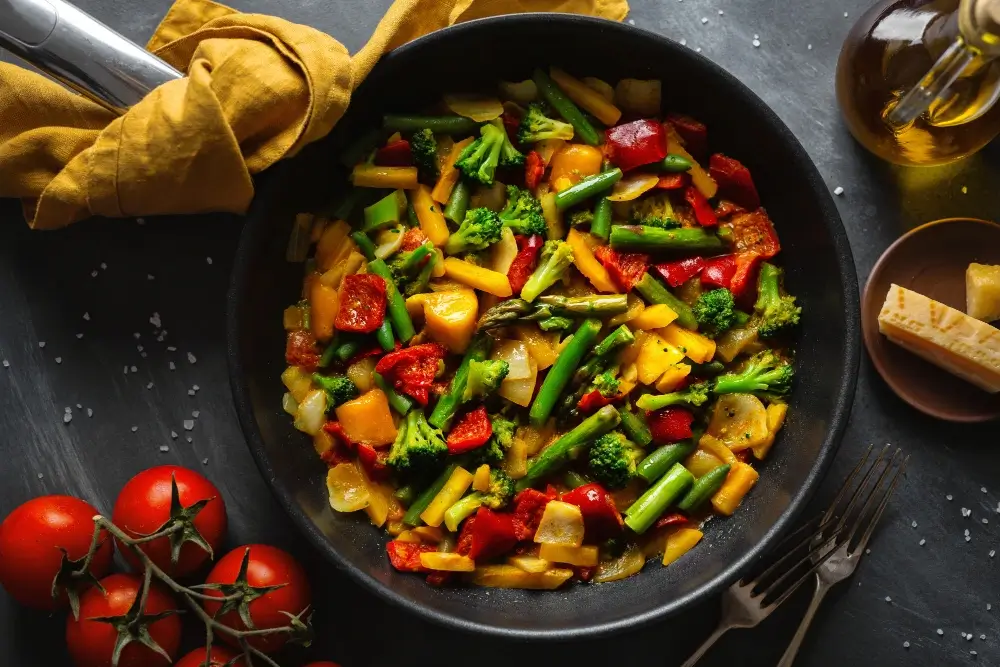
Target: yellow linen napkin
<point x="258" y="88"/>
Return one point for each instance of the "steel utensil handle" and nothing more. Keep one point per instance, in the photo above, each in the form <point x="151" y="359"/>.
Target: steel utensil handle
<point x="81" y="52"/>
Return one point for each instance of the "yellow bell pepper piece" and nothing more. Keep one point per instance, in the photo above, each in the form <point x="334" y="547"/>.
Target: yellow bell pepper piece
<point x="367" y="419"/>
<point x="331" y="245"/>
<point x="373" y="176"/>
<point x="324" y="302"/>
<point x="429" y="215"/>
<point x="775" y="420"/>
<point x="587" y="264"/>
<point x="573" y="163"/>
<point x="451" y="317"/>
<point x="672" y="377"/>
<point x="509" y="576"/>
<point x="679" y="542"/>
<point x="447" y="562"/>
<point x="428" y="534"/>
<point x="552" y="214"/>
<point x="698" y="348"/>
<point x="557" y="553"/>
<point x="408" y="537"/>
<point x="345" y="265"/>
<point x="740" y="480"/>
<point x="297" y="381"/>
<point x="656" y="316"/>
<point x="449" y="174"/>
<point x="323" y="442"/>
<point x="699" y="177"/>
<point x="717" y="448"/>
<point x="655" y="358"/>
<point x="515" y="462"/>
<point x="492" y="282"/>
<point x="450" y="493"/>
<point x="378" y="499"/>
<point x="561" y="523"/>
<point x="631" y="352"/>
<point x="481" y="480"/>
<point x="532" y="564"/>
<point x="586" y="97"/>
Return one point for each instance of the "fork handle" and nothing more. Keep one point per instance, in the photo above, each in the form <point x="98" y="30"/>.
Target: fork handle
<point x="723" y="628"/>
<point x="800" y="633"/>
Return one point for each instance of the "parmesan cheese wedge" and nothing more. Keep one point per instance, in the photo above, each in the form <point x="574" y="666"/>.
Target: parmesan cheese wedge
<point x="944" y="336"/>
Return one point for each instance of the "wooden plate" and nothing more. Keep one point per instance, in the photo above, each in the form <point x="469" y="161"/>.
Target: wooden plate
<point x="931" y="260"/>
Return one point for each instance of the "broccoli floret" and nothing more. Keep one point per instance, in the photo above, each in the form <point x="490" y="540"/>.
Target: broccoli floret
<point x="775" y="310"/>
<point x="499" y="494"/>
<point x="536" y="126"/>
<point x="607" y="384"/>
<point x="509" y="156"/>
<point x="484" y="378"/>
<point x="418" y="447"/>
<point x="552" y="266"/>
<point x="411" y="269"/>
<point x="480" y="229"/>
<point x="612" y="460"/>
<point x="339" y="389"/>
<point x="764" y="373"/>
<point x="523" y="213"/>
<point x="424" y="147"/>
<point x="693" y="395"/>
<point x="654" y="211"/>
<point x="581" y="218"/>
<point x="495" y="449"/>
<point x="715" y="311"/>
<point x="479" y="160"/>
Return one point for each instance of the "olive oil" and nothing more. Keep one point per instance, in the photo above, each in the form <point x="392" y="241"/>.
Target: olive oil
<point x="901" y="45"/>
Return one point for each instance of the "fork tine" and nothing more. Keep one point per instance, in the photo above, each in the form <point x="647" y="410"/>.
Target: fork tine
<point x="800" y="537"/>
<point x="872" y="496"/>
<point x="828" y="543"/>
<point x="881" y="506"/>
<point x="806" y="575"/>
<point x="847" y="484"/>
<point x="861" y="487"/>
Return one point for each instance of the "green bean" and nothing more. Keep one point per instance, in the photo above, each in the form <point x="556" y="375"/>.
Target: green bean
<point x="364" y="244"/>
<point x="650" y="505"/>
<point x="635" y="426"/>
<point x="663" y="459"/>
<point x="654" y="292"/>
<point x="653" y="239"/>
<point x="704" y="488"/>
<point x="384" y="335"/>
<point x="396" y="308"/>
<point x="601" y="226"/>
<point x="458" y="202"/>
<point x="564" y="107"/>
<point x="562" y="371"/>
<point x="436" y="124"/>
<point x="412" y="516"/>
<point x="556" y="454"/>
<point x="587" y="188"/>
<point x="405" y="494"/>
<point x="448" y="404"/>
<point x="349" y="347"/>
<point x="397" y="401"/>
<point x="675" y="163"/>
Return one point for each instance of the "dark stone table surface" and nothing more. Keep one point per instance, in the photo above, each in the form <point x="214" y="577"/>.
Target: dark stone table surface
<point x="179" y="270"/>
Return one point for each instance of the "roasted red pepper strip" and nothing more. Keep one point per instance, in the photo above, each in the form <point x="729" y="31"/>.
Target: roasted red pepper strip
<point x="754" y="233"/>
<point x="374" y="461"/>
<point x="718" y="271"/>
<point x="528" y="508"/>
<point x="534" y="169"/>
<point x="493" y="534"/>
<point x="411" y="370"/>
<point x="301" y="350"/>
<point x="726" y="208"/>
<point x="524" y="262"/>
<point x="734" y="181"/>
<point x="672" y="519"/>
<point x="396" y="154"/>
<point x="745" y="278"/>
<point x="413" y="239"/>
<point x="601" y="519"/>
<point x="405" y="556"/>
<point x="634" y="144"/>
<point x="471" y="431"/>
<point x="703" y="211"/>
<point x="625" y="268"/>
<point x="337" y="431"/>
<point x="510" y="125"/>
<point x="362" y="303"/>
<point x="673" y="181"/>
<point x="692" y="132"/>
<point x="592" y="401"/>
<point x="677" y="273"/>
<point x="670" y="425"/>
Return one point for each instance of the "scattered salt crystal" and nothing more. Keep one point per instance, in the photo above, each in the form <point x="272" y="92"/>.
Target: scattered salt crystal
<point x="140" y="221"/>
<point x="838" y="190"/>
<point x="973" y="653"/>
<point x="983" y="637"/>
<point x="171" y="348"/>
<point x="192" y="359"/>
<point x="949" y="497"/>
<point x="195" y="413"/>
<point x="136" y="335"/>
<point x="125" y="370"/>
<point x="966" y="511"/>
<point x="684" y="42"/>
<point x="173" y="434"/>
<point x="143" y="355"/>
<point x="923" y="542"/>
<point x="968" y="637"/>
<point x="968" y="539"/>
<point x="6" y="364"/>
<point x="67" y="409"/>
<point x="164" y="448"/>
<point x="67" y="418"/>
<point x="988" y="606"/>
<point x="845" y="15"/>
<point x="756" y="43"/>
<point x="149" y="276"/>
<point x="188" y="424"/>
<point x="940" y="631"/>
<point x="966" y="531"/>
<point x="756" y="36"/>
<point x="190" y="392"/>
<point x="79" y="335"/>
<point x="93" y="274"/>
<point x="79" y="407"/>
<point x="721" y="12"/>
<point x="204" y="462"/>
<point x="704" y="20"/>
<point x="906" y="644"/>
<point x="138" y="348"/>
<point x="41" y="343"/>
<point x="698" y="50"/>
<point x="104" y="265"/>
<point x="195" y="387"/>
<point x="993" y="552"/>
<point x="133" y="369"/>
<point x="983" y="489"/>
<point x="208" y="259"/>
<point x="149" y="385"/>
<point x="809" y="47"/>
<point x="86" y="316"/>
<point x="868" y="551"/>
<point x="888" y="599"/>
<point x="58" y="360"/>
<point x="913" y="525"/>
<point x="40" y="475"/>
<point x="189" y="439"/>
<point x="172" y="366"/>
<point x="135" y="428"/>
<point x="154" y="319"/>
<point x="985" y="520"/>
<point x="90" y="412"/>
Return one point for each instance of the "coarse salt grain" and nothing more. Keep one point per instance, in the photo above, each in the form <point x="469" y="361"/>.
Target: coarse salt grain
<point x="190" y="392"/>
<point x="985" y="520"/>
<point x="195" y="387"/>
<point x="172" y="366"/>
<point x="923" y="542"/>
<point x="195" y="413"/>
<point x="963" y="635"/>
<point x="40" y="475"/>
<point x="58" y="360"/>
<point x="171" y="348"/>
<point x="86" y="316"/>
<point x="973" y="653"/>
<point x="204" y="462"/>
<point x="190" y="439"/>
<point x="104" y="265"/>
<point x="125" y="370"/>
<point x="756" y="36"/>
<point x="949" y="497"/>
<point x="704" y="20"/>
<point x="940" y="631"/>
<point x="684" y="42"/>
<point x="192" y="359"/>
<point x="988" y="606"/>
<point x="90" y="412"/>
<point x="838" y="190"/>
<point x="809" y="47"/>
<point x="906" y="644"/>
<point x="721" y="12"/>
<point x="966" y="531"/>
<point x="208" y="259"/>
<point x="966" y="511"/>
<point x="133" y="369"/>
<point x="993" y="552"/>
<point x="6" y="364"/>
<point x="136" y="335"/>
<point x="888" y="599"/>
<point x="79" y="335"/>
<point x="698" y="50"/>
<point x="983" y="637"/>
<point x="631" y="21"/>
<point x="968" y="539"/>
<point x="135" y="428"/>
<point x="154" y="319"/>
<point x="149" y="385"/>
<point x="845" y="15"/>
<point x="983" y="489"/>
<point x="149" y="276"/>
<point x="756" y="43"/>
<point x="93" y="274"/>
<point x="188" y="424"/>
<point x="913" y="524"/>
<point x="173" y="434"/>
<point x="164" y="448"/>
<point x="41" y="343"/>
<point x="968" y="637"/>
<point x="67" y="417"/>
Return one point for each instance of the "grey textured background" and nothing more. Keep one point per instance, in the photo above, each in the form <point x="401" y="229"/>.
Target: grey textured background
<point x="46" y="287"/>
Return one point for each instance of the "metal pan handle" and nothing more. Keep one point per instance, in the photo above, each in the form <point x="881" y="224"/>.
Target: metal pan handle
<point x="81" y="52"/>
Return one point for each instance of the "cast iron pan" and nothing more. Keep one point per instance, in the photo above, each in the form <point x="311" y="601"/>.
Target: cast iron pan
<point x="817" y="257"/>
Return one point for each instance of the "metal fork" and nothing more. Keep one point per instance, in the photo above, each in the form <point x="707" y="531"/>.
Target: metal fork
<point x="749" y="601"/>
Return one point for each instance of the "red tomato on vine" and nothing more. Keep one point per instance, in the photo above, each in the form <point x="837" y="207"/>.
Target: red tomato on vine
<point x="166" y="496"/>
<point x="220" y="658"/>
<point x="45" y="538"/>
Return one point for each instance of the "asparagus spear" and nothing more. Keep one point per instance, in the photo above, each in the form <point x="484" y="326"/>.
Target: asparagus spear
<point x="448" y="404"/>
<point x="650" y="505"/>
<point x="552" y="94"/>
<point x="653" y="291"/>
<point x="601" y="359"/>
<point x="513" y="310"/>
<point x="651" y="239"/>
<point x="556" y="454"/>
<point x="663" y="459"/>
<point x="635" y="426"/>
<point x="561" y="372"/>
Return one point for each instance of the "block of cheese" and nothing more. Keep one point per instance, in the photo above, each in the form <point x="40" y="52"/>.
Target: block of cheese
<point x="982" y="292"/>
<point x="944" y="336"/>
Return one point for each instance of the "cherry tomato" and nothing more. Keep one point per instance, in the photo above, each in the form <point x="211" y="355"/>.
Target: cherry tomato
<point x="91" y="642"/>
<point x="143" y="507"/>
<point x="30" y="541"/>
<point x="267" y="566"/>
<point x="220" y="657"/>
<point x="323" y="664"/>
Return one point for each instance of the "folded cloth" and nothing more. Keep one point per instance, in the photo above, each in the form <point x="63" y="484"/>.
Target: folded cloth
<point x="258" y="89"/>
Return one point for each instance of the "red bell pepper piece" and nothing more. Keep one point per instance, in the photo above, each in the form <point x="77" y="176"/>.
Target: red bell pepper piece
<point x="337" y="431"/>
<point x="464" y="543"/>
<point x="719" y="271"/>
<point x="534" y="169"/>
<point x="395" y="154"/>
<point x="374" y="461"/>
<point x="670" y="424"/>
<point x="342" y="446"/>
<point x="634" y="144"/>
<point x="528" y="508"/>
<point x="301" y="350"/>
<point x="601" y="519"/>
<point x="672" y="519"/>
<point x="411" y="370"/>
<point x="592" y="401"/>
<point x="734" y="181"/>
<point x="374" y="350"/>
<point x="677" y="273"/>
<point x="471" y="431"/>
<point x="413" y="239"/>
<point x="726" y="208"/>
<point x="703" y="211"/>
<point x="754" y="233"/>
<point x="745" y="276"/>
<point x="362" y="303"/>
<point x="625" y="268"/>
<point x="524" y="262"/>
<point x="673" y="181"/>
<point x="510" y="125"/>
<point x="405" y="556"/>
<point x="493" y="534"/>
<point x="692" y="132"/>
